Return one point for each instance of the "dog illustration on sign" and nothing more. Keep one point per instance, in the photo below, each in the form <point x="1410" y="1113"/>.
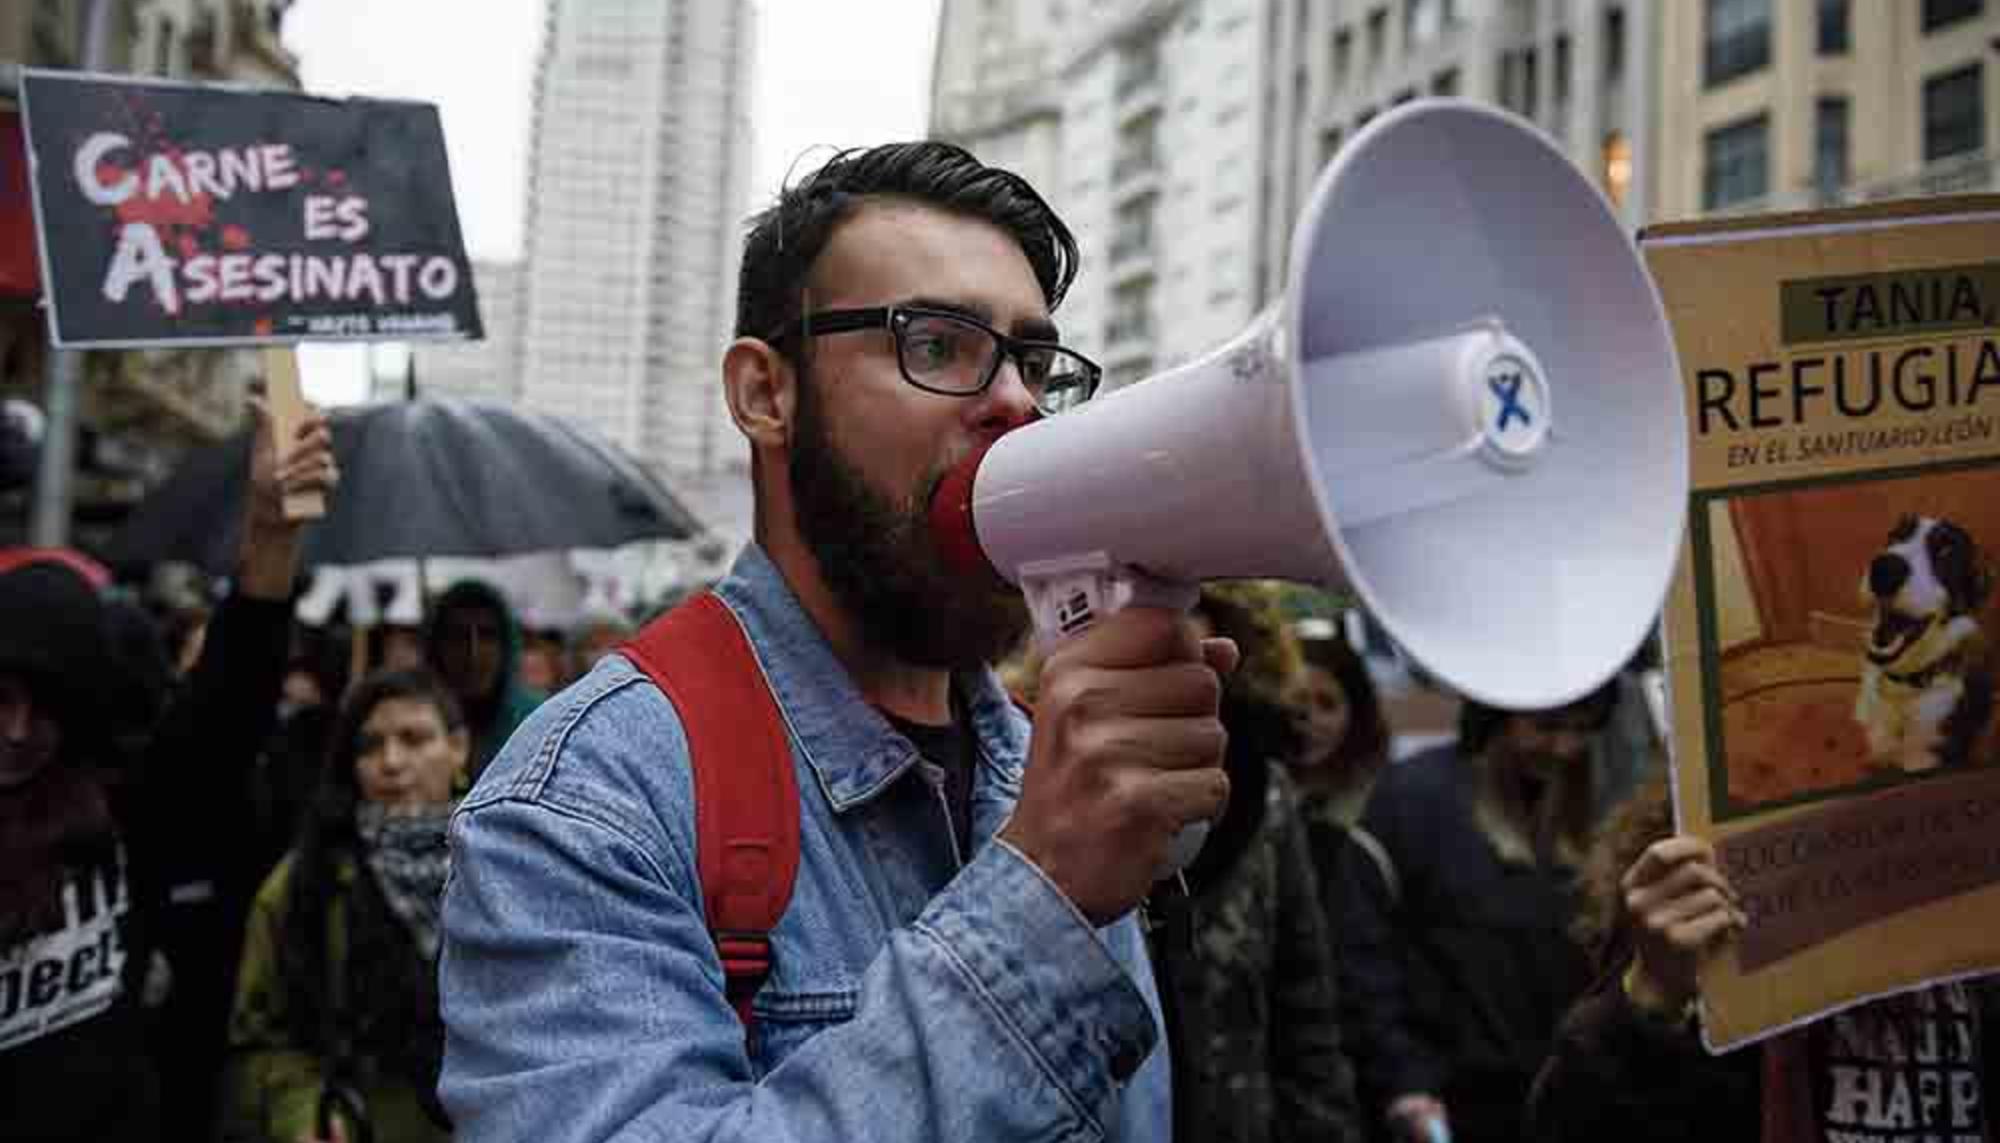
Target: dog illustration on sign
<point x="1926" y="683"/>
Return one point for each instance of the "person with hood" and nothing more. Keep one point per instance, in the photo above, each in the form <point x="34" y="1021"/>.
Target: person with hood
<point x="337" y="1002"/>
<point x="1249" y="960"/>
<point x="87" y="849"/>
<point x="475" y="647"/>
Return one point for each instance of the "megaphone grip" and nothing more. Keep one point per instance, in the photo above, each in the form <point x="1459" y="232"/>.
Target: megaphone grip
<point x="1068" y="596"/>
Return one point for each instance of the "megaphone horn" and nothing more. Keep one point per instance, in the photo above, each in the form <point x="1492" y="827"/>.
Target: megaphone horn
<point x="1465" y="409"/>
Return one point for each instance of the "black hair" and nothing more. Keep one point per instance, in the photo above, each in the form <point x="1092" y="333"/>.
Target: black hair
<point x="330" y="837"/>
<point x="786" y="239"/>
<point x="1367" y="740"/>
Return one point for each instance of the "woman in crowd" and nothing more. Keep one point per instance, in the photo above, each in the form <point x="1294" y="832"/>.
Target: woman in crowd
<point x="336" y="1016"/>
<point x="1343" y="745"/>
<point x="1455" y="956"/>
<point x="1344" y="741"/>
<point x="1258" y="1052"/>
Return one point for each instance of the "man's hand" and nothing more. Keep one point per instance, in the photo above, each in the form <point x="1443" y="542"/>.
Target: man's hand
<point x="1419" y="1117"/>
<point x="268" y="557"/>
<point x="1681" y="909"/>
<point x="1127" y="749"/>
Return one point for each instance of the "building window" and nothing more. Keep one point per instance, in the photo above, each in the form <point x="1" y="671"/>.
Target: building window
<point x="1131" y="314"/>
<point x="1329" y="143"/>
<point x="1737" y="39"/>
<point x="1833" y="27"/>
<point x="1138" y="67"/>
<point x="1562" y="69"/>
<point x="1531" y="84"/>
<point x="1445" y="82"/>
<point x="1138" y="150"/>
<point x="163" y="46"/>
<point x="1940" y="13"/>
<point x="1954" y="114"/>
<point x="1617" y="167"/>
<point x="1614" y="44"/>
<point x="1378" y="37"/>
<point x="1132" y="231"/>
<point x="1343" y="55"/>
<point x="1420" y="23"/>
<point x="1738" y="166"/>
<point x="1830" y="147"/>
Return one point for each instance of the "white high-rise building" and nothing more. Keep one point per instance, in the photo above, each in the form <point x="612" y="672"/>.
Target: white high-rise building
<point x="639" y="172"/>
<point x="1187" y="134"/>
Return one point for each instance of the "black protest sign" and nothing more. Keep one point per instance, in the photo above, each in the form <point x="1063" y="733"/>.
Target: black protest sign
<point x="184" y="214"/>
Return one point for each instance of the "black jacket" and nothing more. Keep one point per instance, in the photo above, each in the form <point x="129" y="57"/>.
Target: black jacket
<point x="1454" y="976"/>
<point x="172" y="808"/>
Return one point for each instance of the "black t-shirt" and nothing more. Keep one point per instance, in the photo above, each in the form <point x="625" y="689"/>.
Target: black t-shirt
<point x="950" y="748"/>
<point x="1902" y="1070"/>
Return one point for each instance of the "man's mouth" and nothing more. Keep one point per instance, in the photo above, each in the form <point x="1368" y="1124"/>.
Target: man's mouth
<point x="1894" y="633"/>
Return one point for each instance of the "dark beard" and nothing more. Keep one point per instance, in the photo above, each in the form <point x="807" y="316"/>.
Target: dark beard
<point x="878" y="559"/>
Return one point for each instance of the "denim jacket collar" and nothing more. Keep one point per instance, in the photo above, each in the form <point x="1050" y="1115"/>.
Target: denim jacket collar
<point x="850" y="746"/>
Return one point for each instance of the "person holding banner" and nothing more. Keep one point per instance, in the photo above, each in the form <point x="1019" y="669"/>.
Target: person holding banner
<point x="87" y="851"/>
<point x="960" y="958"/>
<point x="1922" y="1065"/>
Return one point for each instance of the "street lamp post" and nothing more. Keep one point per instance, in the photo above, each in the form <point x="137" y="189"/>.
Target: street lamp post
<point x="48" y="523"/>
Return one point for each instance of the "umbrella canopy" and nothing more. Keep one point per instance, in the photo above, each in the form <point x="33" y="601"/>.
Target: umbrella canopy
<point x="429" y="477"/>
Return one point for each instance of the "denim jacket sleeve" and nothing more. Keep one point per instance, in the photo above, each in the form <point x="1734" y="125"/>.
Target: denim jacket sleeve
<point x="584" y="999"/>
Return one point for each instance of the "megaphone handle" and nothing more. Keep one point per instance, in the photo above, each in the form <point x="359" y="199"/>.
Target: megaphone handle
<point x="1067" y="596"/>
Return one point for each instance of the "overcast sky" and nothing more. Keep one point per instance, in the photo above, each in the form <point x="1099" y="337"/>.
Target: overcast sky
<point x="827" y="73"/>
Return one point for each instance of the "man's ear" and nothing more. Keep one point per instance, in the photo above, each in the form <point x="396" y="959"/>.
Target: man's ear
<point x="762" y="390"/>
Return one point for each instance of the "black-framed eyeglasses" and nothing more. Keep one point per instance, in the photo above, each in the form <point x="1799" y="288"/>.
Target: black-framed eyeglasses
<point x="956" y="355"/>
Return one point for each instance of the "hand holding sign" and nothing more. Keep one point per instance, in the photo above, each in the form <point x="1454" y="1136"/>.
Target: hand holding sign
<point x="290" y="417"/>
<point x="1680" y="907"/>
<point x="290" y="468"/>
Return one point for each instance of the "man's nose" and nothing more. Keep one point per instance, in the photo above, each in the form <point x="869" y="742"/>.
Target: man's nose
<point x="1007" y="403"/>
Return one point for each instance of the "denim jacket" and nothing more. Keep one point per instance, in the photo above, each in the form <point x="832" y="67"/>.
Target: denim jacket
<point x="917" y="994"/>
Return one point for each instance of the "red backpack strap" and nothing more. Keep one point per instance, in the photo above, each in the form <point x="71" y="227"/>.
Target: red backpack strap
<point x="746" y="798"/>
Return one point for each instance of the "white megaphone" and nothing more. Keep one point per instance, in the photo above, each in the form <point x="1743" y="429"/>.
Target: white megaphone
<point x="1466" y="409"/>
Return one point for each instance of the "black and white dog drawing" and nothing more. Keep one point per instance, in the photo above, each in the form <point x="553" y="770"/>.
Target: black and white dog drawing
<point x="1926" y="686"/>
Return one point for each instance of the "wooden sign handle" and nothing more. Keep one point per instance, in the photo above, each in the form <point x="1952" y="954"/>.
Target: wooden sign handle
<point x="287" y="402"/>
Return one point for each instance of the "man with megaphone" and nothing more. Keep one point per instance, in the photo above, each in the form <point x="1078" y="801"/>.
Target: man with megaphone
<point x="1465" y="407"/>
<point x="960" y="956"/>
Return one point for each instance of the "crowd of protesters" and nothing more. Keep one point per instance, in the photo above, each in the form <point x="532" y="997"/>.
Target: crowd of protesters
<point x="229" y="908"/>
<point x="224" y="859"/>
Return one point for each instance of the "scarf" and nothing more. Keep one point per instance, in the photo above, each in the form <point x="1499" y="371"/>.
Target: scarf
<point x="406" y="851"/>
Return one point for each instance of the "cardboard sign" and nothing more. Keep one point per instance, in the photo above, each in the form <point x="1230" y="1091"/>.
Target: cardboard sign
<point x="1833" y="631"/>
<point x="180" y="214"/>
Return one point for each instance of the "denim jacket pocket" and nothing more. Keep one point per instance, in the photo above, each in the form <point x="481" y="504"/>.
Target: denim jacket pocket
<point x="786" y="1020"/>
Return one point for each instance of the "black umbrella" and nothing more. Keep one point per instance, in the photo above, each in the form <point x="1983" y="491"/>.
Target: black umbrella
<point x="429" y="477"/>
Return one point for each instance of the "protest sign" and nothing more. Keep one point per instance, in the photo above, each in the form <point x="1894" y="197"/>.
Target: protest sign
<point x="184" y="214"/>
<point x="1832" y="627"/>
